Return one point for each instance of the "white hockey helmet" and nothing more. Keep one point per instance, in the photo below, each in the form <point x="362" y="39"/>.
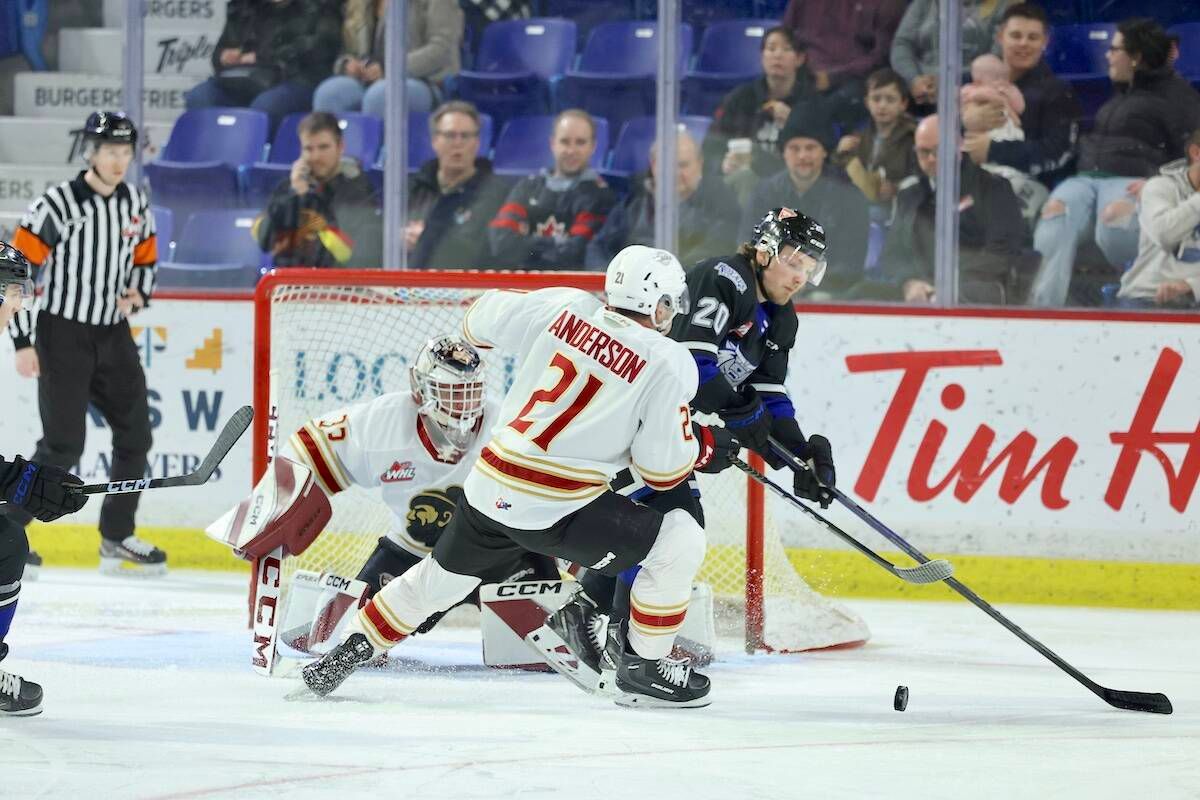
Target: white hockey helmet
<point x="644" y="278"/>
<point x="447" y="379"/>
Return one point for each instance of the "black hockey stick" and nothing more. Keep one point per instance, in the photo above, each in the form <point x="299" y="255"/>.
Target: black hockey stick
<point x="928" y="572"/>
<point x="232" y="431"/>
<point x="1152" y="702"/>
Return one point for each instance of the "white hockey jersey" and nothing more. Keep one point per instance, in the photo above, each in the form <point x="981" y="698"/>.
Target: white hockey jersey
<point x="594" y="393"/>
<point x="379" y="443"/>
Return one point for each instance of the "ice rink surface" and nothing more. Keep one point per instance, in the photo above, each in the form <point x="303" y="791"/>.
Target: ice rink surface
<point x="149" y="694"/>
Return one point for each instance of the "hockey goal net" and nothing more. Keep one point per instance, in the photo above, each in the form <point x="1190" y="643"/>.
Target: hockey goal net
<point x="325" y="339"/>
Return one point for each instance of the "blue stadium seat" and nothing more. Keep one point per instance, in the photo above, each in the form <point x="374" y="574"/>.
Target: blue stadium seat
<point x="587" y="14"/>
<point x="631" y="153"/>
<point x="198" y="166"/>
<point x="259" y="180"/>
<point x="362" y="134"/>
<point x="215" y="250"/>
<point x="1077" y="50"/>
<point x="1188" y="64"/>
<point x="615" y="78"/>
<point x="730" y="54"/>
<point x="164" y="231"/>
<point x="516" y="61"/>
<point x="22" y="28"/>
<point x="523" y="146"/>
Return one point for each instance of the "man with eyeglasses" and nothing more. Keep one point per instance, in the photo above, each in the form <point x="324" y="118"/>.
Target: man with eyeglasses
<point x="452" y="198"/>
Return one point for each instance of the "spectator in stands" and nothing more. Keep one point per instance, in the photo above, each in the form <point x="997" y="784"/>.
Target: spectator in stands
<point x="743" y="142"/>
<point x="434" y="33"/>
<point x="326" y="213"/>
<point x="845" y="43"/>
<point x="881" y="155"/>
<point x="453" y="197"/>
<point x="269" y="57"/>
<point x="994" y="258"/>
<point x="1050" y="121"/>
<point x="1166" y="272"/>
<point x="820" y="191"/>
<point x="548" y="219"/>
<point x="478" y="14"/>
<point x="915" y="45"/>
<point x="708" y="213"/>
<point x="1141" y="127"/>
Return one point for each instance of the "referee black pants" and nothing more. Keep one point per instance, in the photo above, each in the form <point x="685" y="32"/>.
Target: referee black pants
<point x="97" y="364"/>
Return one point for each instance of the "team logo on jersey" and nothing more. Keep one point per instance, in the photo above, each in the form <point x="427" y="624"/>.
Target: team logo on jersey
<point x="462" y="216"/>
<point x="398" y="472"/>
<point x="503" y="504"/>
<point x="742" y="330"/>
<point x="133" y="229"/>
<point x="429" y="512"/>
<point x="551" y="228"/>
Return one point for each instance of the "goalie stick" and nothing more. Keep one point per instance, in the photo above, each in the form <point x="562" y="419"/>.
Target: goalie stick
<point x="1151" y="702"/>
<point x="928" y="572"/>
<point x="228" y="437"/>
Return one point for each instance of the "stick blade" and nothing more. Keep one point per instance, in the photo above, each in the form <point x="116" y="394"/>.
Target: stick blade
<point x="929" y="572"/>
<point x="1150" y="702"/>
<point x="233" y="430"/>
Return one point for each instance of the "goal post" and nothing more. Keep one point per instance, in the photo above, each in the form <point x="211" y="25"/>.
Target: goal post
<point x="328" y="338"/>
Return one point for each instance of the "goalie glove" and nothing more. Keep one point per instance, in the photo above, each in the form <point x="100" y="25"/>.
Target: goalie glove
<point x="815" y="482"/>
<point x="43" y="490"/>
<point x="717" y="447"/>
<point x="750" y="422"/>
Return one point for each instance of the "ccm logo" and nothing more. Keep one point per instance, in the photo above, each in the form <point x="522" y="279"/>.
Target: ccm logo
<point x="529" y="588"/>
<point x="129" y="486"/>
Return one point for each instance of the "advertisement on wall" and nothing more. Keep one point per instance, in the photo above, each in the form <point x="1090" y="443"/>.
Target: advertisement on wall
<point x="198" y="357"/>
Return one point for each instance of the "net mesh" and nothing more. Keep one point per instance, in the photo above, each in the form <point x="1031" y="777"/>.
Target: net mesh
<point x="335" y="345"/>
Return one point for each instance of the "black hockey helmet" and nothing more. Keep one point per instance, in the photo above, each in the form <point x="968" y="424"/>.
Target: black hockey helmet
<point x="15" y="268"/>
<point x="802" y="232"/>
<point x="104" y="127"/>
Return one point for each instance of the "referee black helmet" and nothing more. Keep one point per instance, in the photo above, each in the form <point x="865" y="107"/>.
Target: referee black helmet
<point x="104" y="127"/>
<point x="15" y="268"/>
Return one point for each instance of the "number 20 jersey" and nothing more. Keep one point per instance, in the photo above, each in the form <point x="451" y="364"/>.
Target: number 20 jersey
<point x="594" y="393"/>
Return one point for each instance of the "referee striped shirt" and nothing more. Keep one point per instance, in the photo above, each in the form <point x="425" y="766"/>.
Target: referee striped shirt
<point x="92" y="248"/>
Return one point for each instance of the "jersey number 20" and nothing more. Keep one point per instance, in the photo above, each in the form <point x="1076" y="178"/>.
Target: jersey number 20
<point x="568" y="373"/>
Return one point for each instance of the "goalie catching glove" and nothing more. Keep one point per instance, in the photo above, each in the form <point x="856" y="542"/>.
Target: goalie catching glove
<point x="815" y="482"/>
<point x="717" y="447"/>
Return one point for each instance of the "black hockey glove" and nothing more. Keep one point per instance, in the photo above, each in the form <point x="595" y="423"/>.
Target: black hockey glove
<point x="717" y="447"/>
<point x="815" y="482"/>
<point x="750" y="423"/>
<point x="42" y="490"/>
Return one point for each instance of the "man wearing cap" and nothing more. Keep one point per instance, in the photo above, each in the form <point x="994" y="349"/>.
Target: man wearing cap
<point x="93" y="239"/>
<point x="818" y="190"/>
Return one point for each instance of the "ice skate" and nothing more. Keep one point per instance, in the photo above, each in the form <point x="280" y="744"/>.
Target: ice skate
<point x="33" y="567"/>
<point x="660" y="683"/>
<point x="131" y="556"/>
<point x="582" y="630"/>
<point x="327" y="673"/>
<point x="18" y="697"/>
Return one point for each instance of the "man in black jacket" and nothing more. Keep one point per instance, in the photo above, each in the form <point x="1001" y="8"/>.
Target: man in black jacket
<point x="994" y="259"/>
<point x="326" y="214"/>
<point x="453" y="197"/>
<point x="821" y="191"/>
<point x="548" y="219"/>
<point x="1050" y="121"/>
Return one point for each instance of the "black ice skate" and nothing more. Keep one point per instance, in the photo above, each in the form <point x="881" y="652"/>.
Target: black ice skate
<point x="33" y="567"/>
<point x="661" y="683"/>
<point x="575" y="643"/>
<point x="131" y="556"/>
<point x="18" y="697"/>
<point x="327" y="673"/>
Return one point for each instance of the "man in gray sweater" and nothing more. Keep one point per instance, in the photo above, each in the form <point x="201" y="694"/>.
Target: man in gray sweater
<point x="1166" y="272"/>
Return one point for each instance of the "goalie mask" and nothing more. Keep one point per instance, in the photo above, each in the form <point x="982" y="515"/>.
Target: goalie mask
<point x="447" y="380"/>
<point x="648" y="281"/>
<point x="803" y="234"/>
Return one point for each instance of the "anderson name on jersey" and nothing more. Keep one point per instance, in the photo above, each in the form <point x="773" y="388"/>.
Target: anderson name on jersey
<point x="594" y="393"/>
<point x="381" y="444"/>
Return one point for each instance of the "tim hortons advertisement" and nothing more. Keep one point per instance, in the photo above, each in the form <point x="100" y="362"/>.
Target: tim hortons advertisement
<point x="1008" y="436"/>
<point x="197" y="356"/>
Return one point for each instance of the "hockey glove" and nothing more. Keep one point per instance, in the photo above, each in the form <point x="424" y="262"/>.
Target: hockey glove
<point x="717" y="447"/>
<point x="750" y="423"/>
<point x="41" y="489"/>
<point x="815" y="482"/>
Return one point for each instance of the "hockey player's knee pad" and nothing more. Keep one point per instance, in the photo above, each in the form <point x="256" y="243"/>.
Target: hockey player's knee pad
<point x="389" y="560"/>
<point x="14" y="548"/>
<point x="680" y="544"/>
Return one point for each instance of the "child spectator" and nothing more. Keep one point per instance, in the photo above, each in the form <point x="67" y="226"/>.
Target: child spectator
<point x="881" y="155"/>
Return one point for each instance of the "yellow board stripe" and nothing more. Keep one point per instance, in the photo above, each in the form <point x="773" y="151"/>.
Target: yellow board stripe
<point x="998" y="579"/>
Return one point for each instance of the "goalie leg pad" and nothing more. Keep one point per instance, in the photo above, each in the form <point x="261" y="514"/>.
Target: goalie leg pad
<point x="287" y="509"/>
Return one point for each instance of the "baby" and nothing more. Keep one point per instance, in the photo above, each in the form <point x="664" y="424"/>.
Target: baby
<point x="990" y="83"/>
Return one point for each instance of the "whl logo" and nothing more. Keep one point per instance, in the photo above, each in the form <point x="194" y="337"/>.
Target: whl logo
<point x="400" y="471"/>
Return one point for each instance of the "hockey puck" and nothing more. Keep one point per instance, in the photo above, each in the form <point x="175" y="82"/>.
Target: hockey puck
<point x="900" y="701"/>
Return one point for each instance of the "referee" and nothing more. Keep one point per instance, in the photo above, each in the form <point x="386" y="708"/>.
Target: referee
<point x="93" y="240"/>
